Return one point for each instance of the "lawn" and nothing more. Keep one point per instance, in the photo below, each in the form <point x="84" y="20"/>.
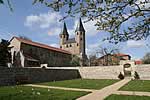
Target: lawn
<point x="82" y="83"/>
<point x="29" y="93"/>
<point x="126" y="97"/>
<point x="137" y="85"/>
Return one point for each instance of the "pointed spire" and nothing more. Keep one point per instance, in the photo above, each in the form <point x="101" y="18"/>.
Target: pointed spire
<point x="80" y="26"/>
<point x="64" y="31"/>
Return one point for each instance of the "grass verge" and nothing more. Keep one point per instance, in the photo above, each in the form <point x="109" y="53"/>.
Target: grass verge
<point x="30" y="93"/>
<point x="82" y="83"/>
<point x="137" y="85"/>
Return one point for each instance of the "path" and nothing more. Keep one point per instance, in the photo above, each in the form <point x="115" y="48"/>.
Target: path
<point x="99" y="94"/>
<point x="103" y="93"/>
<point x="132" y="93"/>
<point x="62" y="88"/>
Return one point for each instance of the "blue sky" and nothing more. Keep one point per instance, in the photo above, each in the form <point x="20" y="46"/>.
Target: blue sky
<point x="41" y="24"/>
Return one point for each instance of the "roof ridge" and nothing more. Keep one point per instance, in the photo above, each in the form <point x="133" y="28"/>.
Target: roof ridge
<point x="41" y="45"/>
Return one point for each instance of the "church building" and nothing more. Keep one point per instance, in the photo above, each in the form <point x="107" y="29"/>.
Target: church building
<point x="74" y="45"/>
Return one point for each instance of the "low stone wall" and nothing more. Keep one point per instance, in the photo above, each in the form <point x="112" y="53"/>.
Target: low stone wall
<point x="10" y="76"/>
<point x="143" y="71"/>
<point x="100" y="72"/>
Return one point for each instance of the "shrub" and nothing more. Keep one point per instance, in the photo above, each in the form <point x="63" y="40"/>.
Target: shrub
<point x="120" y="76"/>
<point x="136" y="75"/>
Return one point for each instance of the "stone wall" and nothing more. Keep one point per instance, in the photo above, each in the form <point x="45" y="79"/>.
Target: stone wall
<point x="100" y="72"/>
<point x="10" y="76"/>
<point x="143" y="71"/>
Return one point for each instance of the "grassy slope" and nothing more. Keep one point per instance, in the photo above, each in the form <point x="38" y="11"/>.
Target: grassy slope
<point x="29" y="93"/>
<point x="137" y="85"/>
<point x="126" y="97"/>
<point x="82" y="83"/>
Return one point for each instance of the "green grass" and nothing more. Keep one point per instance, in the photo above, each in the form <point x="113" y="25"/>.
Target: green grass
<point x="82" y="83"/>
<point x="29" y="93"/>
<point x="137" y="85"/>
<point x="126" y="97"/>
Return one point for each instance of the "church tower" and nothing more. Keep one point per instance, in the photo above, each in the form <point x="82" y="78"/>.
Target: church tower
<point x="80" y="39"/>
<point x="64" y="35"/>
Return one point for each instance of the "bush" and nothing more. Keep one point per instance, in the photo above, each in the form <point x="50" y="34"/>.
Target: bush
<point x="120" y="76"/>
<point x="136" y="75"/>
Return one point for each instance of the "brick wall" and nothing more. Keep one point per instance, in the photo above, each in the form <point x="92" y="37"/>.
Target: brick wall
<point x="9" y="76"/>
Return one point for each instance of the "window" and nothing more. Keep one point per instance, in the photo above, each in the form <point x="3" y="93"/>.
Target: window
<point x="77" y="33"/>
<point x="80" y="38"/>
<point x="67" y="46"/>
<point x="60" y="46"/>
<point x="77" y="44"/>
<point x="70" y="45"/>
<point x="80" y="33"/>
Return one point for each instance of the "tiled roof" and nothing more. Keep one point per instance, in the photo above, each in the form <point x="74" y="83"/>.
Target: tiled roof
<point x="41" y="45"/>
<point x="121" y="54"/>
<point x="72" y="40"/>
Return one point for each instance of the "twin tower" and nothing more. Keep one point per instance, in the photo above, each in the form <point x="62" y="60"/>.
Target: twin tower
<point x="74" y="45"/>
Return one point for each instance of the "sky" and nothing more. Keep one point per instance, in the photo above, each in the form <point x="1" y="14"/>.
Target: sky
<point x="41" y="24"/>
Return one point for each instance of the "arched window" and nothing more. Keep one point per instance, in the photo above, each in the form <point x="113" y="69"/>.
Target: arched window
<point x="67" y="46"/>
<point x="70" y="45"/>
<point x="77" y="44"/>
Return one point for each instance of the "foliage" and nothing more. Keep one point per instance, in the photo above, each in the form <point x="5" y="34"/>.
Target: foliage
<point x="75" y="61"/>
<point x="137" y="85"/>
<point x="30" y="93"/>
<point x="5" y="55"/>
<point x="120" y="76"/>
<point x="83" y="83"/>
<point x="136" y="75"/>
<point x="8" y="3"/>
<point x="110" y="15"/>
<point x="146" y="58"/>
<point x="126" y="97"/>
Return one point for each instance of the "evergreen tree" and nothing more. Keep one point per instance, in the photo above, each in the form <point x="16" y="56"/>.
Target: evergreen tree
<point x="5" y="55"/>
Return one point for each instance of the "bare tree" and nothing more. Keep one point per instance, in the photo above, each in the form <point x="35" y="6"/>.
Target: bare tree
<point x="146" y="58"/>
<point x="108" y="54"/>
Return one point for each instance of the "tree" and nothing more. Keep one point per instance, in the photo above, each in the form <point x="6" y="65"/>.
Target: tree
<point x="110" y="15"/>
<point x="8" y="3"/>
<point x="75" y="61"/>
<point x="5" y="55"/>
<point x="146" y="58"/>
<point x="108" y="55"/>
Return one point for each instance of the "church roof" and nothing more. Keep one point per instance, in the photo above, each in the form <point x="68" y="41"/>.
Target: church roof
<point x="40" y="45"/>
<point x="64" y="31"/>
<point x="71" y="40"/>
<point x="80" y="26"/>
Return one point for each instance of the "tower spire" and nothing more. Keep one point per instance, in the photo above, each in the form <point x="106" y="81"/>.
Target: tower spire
<point x="64" y="31"/>
<point x="80" y="26"/>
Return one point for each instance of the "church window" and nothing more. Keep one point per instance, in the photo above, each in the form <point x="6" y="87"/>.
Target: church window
<point x="70" y="45"/>
<point x="67" y="46"/>
<point x="80" y="38"/>
<point x="60" y="46"/>
<point x="77" y="44"/>
<point x="77" y="33"/>
<point x="81" y="33"/>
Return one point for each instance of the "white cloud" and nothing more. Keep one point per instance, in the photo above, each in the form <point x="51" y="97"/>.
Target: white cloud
<point x="135" y="44"/>
<point x="49" y="21"/>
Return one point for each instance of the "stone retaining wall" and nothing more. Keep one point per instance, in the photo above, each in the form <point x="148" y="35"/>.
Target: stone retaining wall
<point x="143" y="71"/>
<point x="10" y="76"/>
<point x="100" y="72"/>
